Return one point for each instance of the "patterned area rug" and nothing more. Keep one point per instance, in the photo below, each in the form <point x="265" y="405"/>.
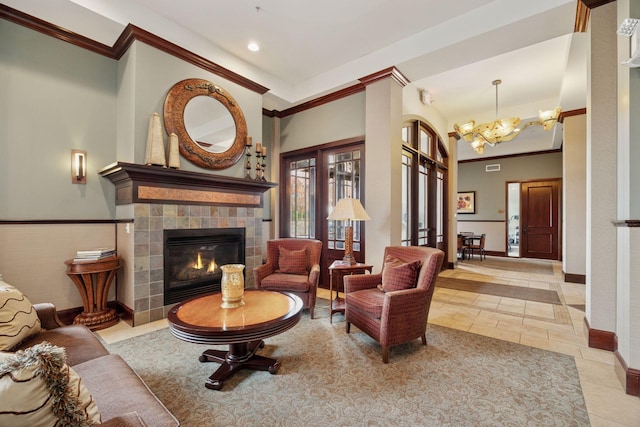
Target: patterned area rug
<point x="330" y="378"/>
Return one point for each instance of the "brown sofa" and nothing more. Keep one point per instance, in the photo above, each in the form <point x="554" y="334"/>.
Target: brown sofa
<point x="123" y="399"/>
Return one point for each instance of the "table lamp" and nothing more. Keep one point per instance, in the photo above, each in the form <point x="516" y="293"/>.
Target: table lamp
<point x="349" y="210"/>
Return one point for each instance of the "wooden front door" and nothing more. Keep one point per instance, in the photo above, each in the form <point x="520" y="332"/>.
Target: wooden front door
<point x="540" y="219"/>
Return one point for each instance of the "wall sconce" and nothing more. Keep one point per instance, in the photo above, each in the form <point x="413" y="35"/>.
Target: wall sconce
<point x="78" y="167"/>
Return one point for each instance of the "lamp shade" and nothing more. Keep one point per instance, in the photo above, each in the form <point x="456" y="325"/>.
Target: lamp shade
<point x="348" y="209"/>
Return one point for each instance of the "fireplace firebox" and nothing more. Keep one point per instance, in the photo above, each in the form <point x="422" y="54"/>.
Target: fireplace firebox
<point x="192" y="260"/>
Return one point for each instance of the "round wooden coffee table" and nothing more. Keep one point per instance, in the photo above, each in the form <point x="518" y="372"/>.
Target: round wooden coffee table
<point x="265" y="313"/>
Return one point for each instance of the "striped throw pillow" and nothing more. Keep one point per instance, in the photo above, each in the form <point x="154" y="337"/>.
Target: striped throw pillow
<point x="38" y="388"/>
<point x="18" y="318"/>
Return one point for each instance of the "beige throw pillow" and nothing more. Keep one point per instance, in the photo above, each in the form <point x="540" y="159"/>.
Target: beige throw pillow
<point x="18" y="318"/>
<point x="37" y="388"/>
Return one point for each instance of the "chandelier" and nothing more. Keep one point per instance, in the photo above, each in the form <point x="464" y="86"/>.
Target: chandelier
<point x="501" y="130"/>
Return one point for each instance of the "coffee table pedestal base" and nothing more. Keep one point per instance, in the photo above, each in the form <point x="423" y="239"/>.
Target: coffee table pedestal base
<point x="240" y="356"/>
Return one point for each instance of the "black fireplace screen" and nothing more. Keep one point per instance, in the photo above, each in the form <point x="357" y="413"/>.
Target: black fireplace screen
<point x="192" y="260"/>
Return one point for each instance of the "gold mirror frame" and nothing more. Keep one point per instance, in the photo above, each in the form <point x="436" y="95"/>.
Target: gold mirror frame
<point x="174" y="104"/>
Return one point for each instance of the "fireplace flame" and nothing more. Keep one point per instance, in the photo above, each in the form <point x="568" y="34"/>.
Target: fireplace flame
<point x="198" y="264"/>
<point x="212" y="266"/>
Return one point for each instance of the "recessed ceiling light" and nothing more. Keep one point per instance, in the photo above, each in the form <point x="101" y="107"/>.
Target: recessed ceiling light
<point x="253" y="47"/>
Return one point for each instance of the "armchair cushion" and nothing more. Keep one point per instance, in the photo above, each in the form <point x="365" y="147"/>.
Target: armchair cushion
<point x="293" y="262"/>
<point x="286" y="282"/>
<point x="369" y="301"/>
<point x="38" y="388"/>
<point x="18" y="318"/>
<point x="398" y="275"/>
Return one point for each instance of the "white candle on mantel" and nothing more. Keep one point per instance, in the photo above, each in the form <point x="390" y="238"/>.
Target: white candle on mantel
<point x="248" y="141"/>
<point x="258" y="147"/>
<point x="264" y="151"/>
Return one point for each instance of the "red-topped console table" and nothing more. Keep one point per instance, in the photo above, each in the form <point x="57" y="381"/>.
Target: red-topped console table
<point x="93" y="279"/>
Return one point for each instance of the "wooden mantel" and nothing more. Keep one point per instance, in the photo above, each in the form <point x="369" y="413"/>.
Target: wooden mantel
<point x="154" y="184"/>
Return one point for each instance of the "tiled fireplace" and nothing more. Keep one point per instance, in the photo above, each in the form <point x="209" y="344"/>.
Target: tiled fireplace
<point x="165" y="199"/>
<point x="150" y="221"/>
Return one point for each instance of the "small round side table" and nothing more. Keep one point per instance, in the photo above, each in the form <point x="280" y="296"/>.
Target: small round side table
<point x="93" y="279"/>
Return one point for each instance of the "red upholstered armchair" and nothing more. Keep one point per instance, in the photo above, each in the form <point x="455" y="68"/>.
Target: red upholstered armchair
<point x="293" y="265"/>
<point x="396" y="311"/>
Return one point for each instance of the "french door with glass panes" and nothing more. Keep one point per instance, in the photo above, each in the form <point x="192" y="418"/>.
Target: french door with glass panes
<point x="314" y="180"/>
<point x="424" y="187"/>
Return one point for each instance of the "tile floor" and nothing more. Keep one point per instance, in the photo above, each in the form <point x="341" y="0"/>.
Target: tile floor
<point x="546" y="326"/>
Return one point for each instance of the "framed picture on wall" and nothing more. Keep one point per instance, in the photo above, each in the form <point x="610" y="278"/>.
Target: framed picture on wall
<point x="466" y="202"/>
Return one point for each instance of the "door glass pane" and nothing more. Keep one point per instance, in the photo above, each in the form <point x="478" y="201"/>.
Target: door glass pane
<point x="302" y="184"/>
<point x="405" y="134"/>
<point x="440" y="209"/>
<point x="344" y="182"/>
<point x="406" y="199"/>
<point x="423" y="205"/>
<point x="425" y="142"/>
<point x="513" y="215"/>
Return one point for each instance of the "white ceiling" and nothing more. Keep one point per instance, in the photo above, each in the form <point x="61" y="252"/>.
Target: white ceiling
<point x="454" y="49"/>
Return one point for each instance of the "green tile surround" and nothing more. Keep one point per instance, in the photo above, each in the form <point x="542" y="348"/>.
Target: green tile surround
<point x="149" y="222"/>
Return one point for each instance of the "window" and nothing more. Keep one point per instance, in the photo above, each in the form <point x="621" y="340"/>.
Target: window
<point x="424" y="180"/>
<point x="302" y="186"/>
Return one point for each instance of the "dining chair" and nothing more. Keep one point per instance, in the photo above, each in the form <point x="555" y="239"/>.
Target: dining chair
<point x="462" y="247"/>
<point x="478" y="247"/>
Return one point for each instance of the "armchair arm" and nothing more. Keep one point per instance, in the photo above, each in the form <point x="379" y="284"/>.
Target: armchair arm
<point x="47" y="314"/>
<point x="404" y="311"/>
<point x="260" y="272"/>
<point x="356" y="282"/>
<point x="314" y="275"/>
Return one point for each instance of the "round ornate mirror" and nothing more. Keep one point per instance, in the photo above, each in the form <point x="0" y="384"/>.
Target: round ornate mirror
<point x="210" y="126"/>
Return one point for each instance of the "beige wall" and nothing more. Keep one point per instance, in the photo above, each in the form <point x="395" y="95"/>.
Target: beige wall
<point x="601" y="167"/>
<point x="341" y="119"/>
<point x="628" y="195"/>
<point x="383" y="168"/>
<point x="32" y="258"/>
<point x="490" y="188"/>
<point x="52" y="103"/>
<point x="574" y="195"/>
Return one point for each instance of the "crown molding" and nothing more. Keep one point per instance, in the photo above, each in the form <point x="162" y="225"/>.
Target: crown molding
<point x="592" y="4"/>
<point x="391" y="72"/>
<point x="54" y="31"/>
<point x="130" y="34"/>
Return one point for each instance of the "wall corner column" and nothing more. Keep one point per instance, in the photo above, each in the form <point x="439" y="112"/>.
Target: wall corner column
<point x="383" y="155"/>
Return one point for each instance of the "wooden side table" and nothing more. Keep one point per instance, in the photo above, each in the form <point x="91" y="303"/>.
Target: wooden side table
<point x="93" y="278"/>
<point x="337" y="271"/>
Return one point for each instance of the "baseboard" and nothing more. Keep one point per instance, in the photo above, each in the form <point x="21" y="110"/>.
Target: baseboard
<point x="69" y="314"/>
<point x="603" y="340"/>
<point x="125" y="313"/>
<point x="495" y="253"/>
<point x="629" y="377"/>
<point x="575" y="278"/>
